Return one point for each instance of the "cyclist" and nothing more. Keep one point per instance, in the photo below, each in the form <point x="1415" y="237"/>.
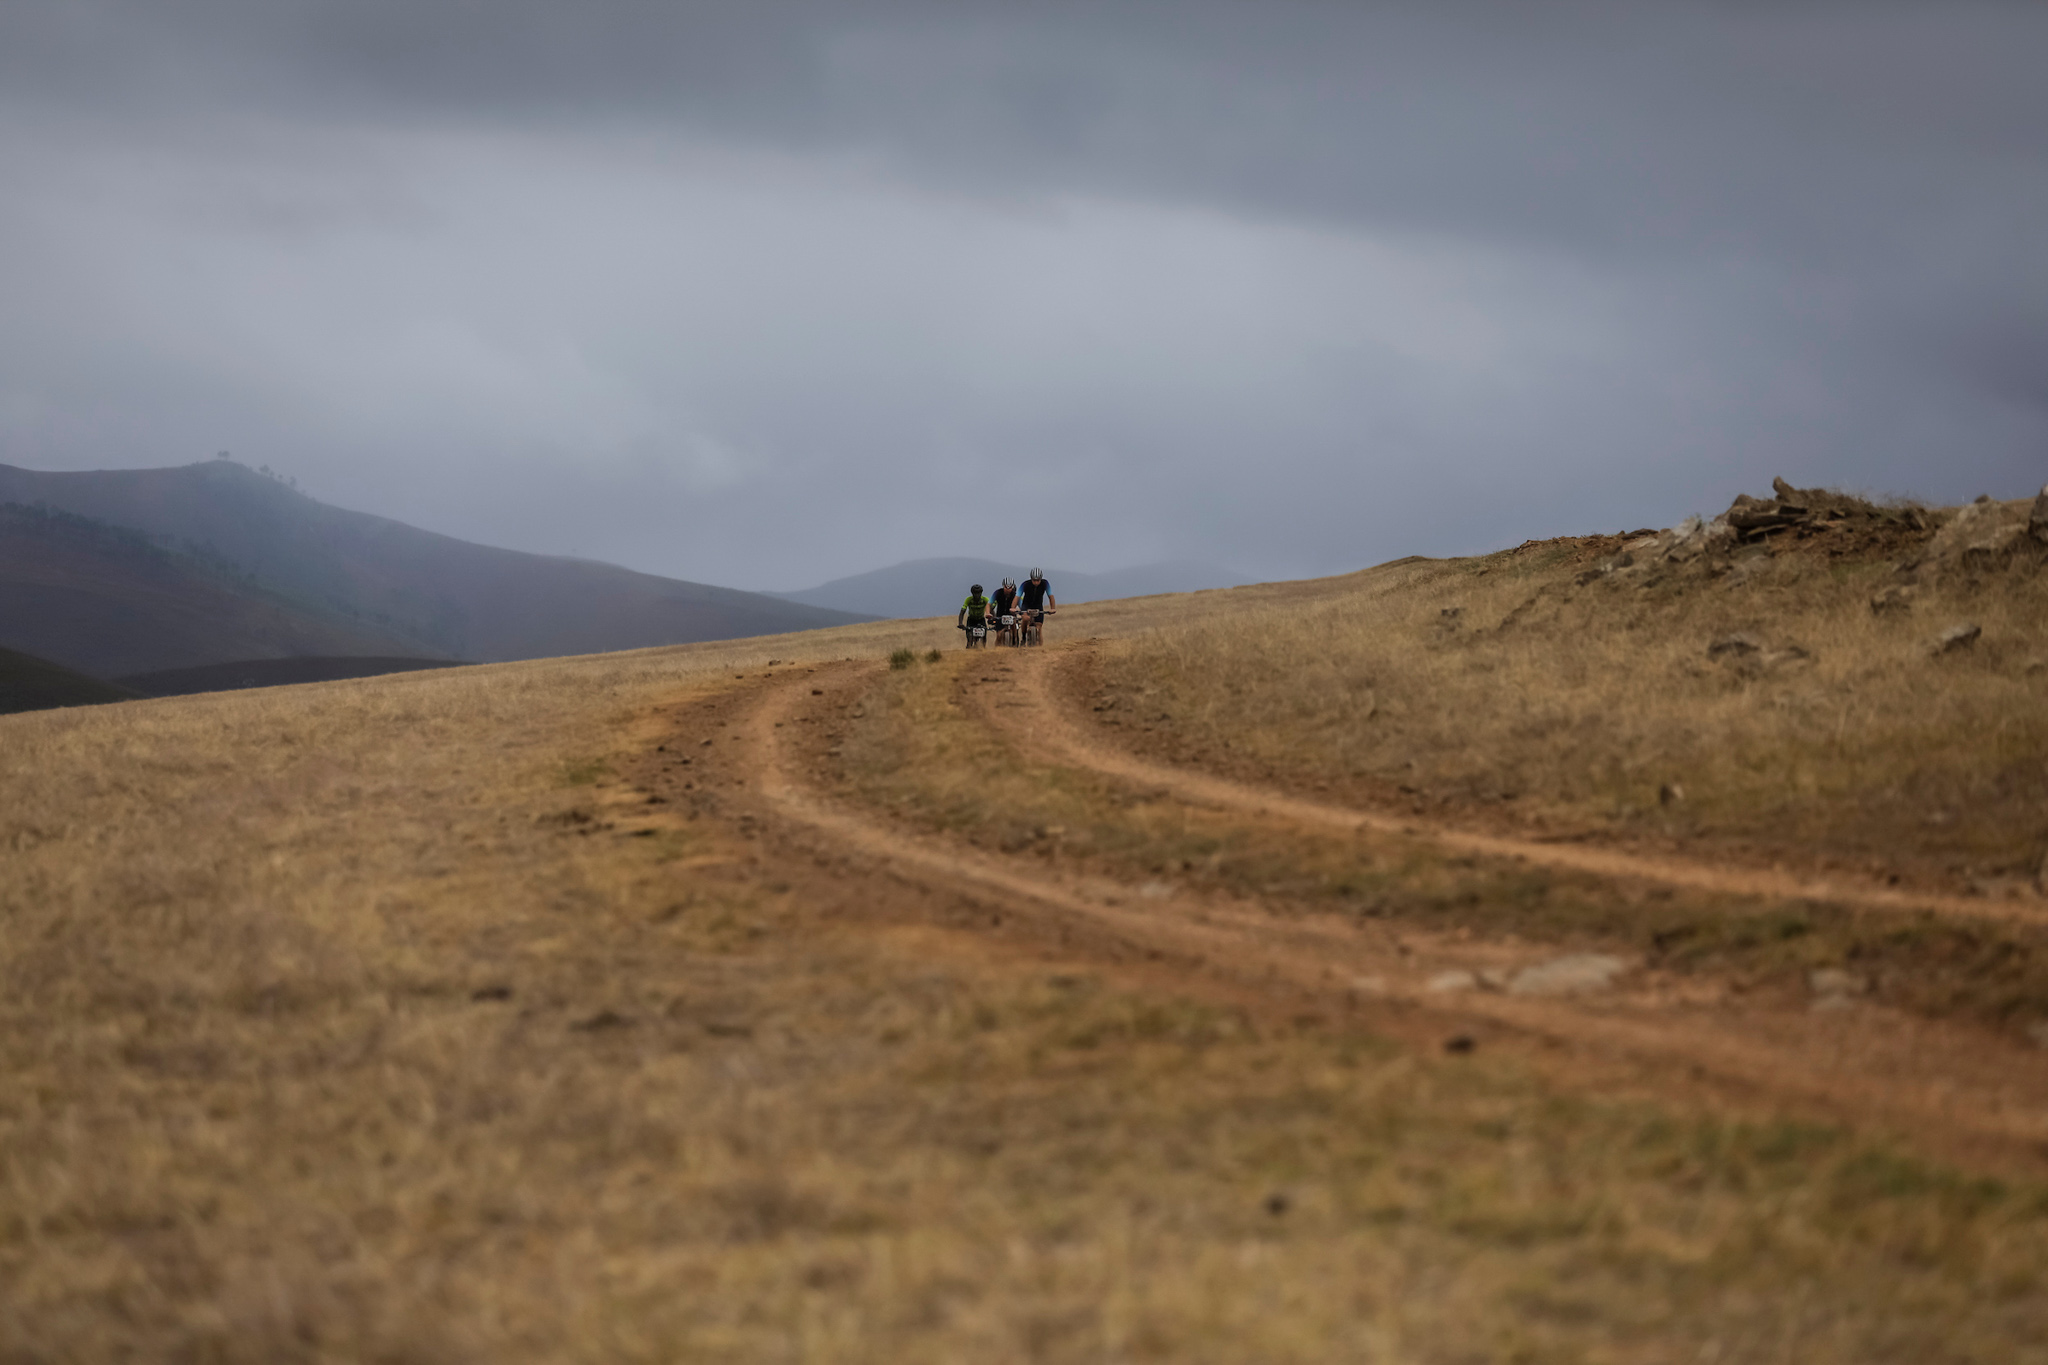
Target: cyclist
<point x="973" y="612"/>
<point x="1037" y="598"/>
<point x="1005" y="599"/>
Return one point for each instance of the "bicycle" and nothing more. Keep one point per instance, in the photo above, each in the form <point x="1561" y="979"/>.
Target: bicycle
<point x="977" y="634"/>
<point x="1009" y="634"/>
<point x="1034" y="627"/>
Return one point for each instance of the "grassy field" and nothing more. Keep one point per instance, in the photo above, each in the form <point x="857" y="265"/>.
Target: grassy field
<point x="413" y="1019"/>
<point x="1531" y="685"/>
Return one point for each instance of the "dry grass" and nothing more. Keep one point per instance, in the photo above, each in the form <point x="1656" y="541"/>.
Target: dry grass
<point x="1503" y="682"/>
<point x="382" y="1020"/>
<point x="927" y="752"/>
<point x="920" y="749"/>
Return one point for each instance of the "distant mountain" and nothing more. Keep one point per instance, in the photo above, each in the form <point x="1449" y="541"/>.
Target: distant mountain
<point x="403" y="590"/>
<point x="233" y="677"/>
<point x="28" y="683"/>
<point x="108" y="601"/>
<point x="934" y="587"/>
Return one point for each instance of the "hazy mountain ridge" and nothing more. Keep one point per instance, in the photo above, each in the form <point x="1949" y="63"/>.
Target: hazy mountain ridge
<point x="416" y="592"/>
<point x="30" y="683"/>
<point x="106" y="601"/>
<point x="934" y="587"/>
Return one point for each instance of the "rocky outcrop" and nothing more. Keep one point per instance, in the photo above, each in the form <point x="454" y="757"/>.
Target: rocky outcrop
<point x="1973" y="540"/>
<point x="1983" y="537"/>
<point x="1756" y="519"/>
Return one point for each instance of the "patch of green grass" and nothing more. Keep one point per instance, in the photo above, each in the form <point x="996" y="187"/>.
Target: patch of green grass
<point x="585" y="772"/>
<point x="902" y="658"/>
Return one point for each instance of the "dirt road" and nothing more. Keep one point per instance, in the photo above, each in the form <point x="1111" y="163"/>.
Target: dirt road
<point x="1955" y="1089"/>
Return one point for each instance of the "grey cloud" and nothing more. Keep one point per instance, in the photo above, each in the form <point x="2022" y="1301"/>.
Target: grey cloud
<point x="766" y="293"/>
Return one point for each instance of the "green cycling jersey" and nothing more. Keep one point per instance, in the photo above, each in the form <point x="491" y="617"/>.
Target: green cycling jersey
<point x="976" y="609"/>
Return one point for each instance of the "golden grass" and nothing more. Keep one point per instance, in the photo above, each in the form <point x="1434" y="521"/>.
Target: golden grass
<point x="917" y="751"/>
<point x="1582" y="704"/>
<point x="360" y="1021"/>
<point x="928" y="754"/>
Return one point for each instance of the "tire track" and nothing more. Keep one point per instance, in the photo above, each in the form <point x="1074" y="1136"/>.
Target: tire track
<point x="1063" y="736"/>
<point x="1954" y="1087"/>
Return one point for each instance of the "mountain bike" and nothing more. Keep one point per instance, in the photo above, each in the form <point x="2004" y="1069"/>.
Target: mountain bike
<point x="1009" y="634"/>
<point x="977" y="634"/>
<point x="1034" y="627"/>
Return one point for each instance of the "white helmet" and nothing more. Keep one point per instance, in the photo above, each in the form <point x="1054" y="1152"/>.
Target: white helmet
<point x="1009" y="582"/>
<point x="1037" y="573"/>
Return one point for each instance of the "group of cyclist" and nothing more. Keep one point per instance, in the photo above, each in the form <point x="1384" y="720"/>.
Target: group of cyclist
<point x="1009" y="612"/>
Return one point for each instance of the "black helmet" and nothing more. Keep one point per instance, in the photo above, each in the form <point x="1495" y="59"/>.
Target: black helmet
<point x="976" y="589"/>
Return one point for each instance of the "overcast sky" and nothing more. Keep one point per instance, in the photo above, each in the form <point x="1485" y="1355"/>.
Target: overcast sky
<point x="764" y="294"/>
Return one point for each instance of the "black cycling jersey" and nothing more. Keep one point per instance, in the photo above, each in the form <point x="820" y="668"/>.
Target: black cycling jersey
<point x="1005" y="600"/>
<point x="1034" y="593"/>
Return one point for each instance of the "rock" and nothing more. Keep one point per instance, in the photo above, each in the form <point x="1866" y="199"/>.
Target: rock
<point x="1460" y="1044"/>
<point x="1446" y="982"/>
<point x="1790" y="654"/>
<point x="1685" y="541"/>
<point x="1670" y="794"/>
<point x="1896" y="600"/>
<point x="1737" y="646"/>
<point x="1988" y="552"/>
<point x="2037" y="520"/>
<point x="1369" y="985"/>
<point x="1835" y="981"/>
<point x="1755" y="518"/>
<point x="1568" y="975"/>
<point x="1962" y="636"/>
<point x="1788" y="496"/>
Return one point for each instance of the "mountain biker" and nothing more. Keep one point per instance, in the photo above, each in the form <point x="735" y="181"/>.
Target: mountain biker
<point x="1037" y="596"/>
<point x="1005" y="599"/>
<point x="973" y="611"/>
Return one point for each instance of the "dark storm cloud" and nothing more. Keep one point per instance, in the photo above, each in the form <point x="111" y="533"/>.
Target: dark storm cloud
<point x="1815" y="128"/>
<point x="764" y="291"/>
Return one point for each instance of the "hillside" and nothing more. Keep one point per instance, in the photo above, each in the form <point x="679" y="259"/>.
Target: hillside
<point x="232" y="677"/>
<point x="424" y="594"/>
<point x="1606" y="949"/>
<point x="934" y="587"/>
<point x="31" y="684"/>
<point x="107" y="602"/>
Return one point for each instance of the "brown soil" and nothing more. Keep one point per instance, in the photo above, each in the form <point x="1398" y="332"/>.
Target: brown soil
<point x="1958" y="1090"/>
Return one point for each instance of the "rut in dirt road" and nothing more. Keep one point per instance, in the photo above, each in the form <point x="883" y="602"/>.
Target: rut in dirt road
<point x="1952" y="1085"/>
<point x="1058" y="732"/>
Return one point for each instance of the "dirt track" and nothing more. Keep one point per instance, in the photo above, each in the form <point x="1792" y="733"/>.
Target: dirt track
<point x="1955" y="1089"/>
